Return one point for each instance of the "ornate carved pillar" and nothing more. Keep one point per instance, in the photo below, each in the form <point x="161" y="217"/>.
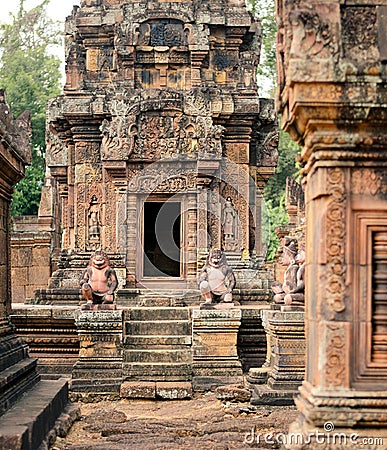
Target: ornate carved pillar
<point x="132" y="237"/>
<point x="202" y="223"/>
<point x="122" y="218"/>
<point x="191" y="244"/>
<point x="332" y="97"/>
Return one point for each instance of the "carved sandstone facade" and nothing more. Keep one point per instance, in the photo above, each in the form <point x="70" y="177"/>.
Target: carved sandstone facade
<point x="160" y="117"/>
<point x="332" y="96"/>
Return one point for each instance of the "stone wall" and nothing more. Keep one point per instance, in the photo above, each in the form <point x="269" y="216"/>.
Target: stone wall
<point x="31" y="255"/>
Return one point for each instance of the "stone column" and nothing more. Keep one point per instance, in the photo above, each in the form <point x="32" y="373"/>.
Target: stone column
<point x="97" y="374"/>
<point x="215" y="357"/>
<point x="259" y="375"/>
<point x="122" y="216"/>
<point x="332" y="97"/>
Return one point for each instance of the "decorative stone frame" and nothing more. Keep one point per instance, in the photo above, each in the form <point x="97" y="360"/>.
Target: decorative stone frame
<point x="365" y="224"/>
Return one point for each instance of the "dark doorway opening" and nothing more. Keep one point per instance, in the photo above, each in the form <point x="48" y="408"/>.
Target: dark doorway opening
<point x="162" y="224"/>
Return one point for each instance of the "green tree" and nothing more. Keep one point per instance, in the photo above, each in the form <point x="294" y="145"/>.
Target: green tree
<point x="286" y="167"/>
<point x="264" y="10"/>
<point x="274" y="192"/>
<point x="30" y="75"/>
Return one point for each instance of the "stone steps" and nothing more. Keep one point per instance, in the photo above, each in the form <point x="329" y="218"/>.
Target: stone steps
<point x="158" y="328"/>
<point x="168" y="314"/>
<point x="156" y="341"/>
<point x="157" y="344"/>
<point x="157" y="371"/>
<point x="157" y="355"/>
<point x="160" y="298"/>
<point x="26" y="425"/>
<point x="15" y="380"/>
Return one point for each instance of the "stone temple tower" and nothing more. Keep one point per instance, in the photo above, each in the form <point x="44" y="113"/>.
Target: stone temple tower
<point x="159" y="143"/>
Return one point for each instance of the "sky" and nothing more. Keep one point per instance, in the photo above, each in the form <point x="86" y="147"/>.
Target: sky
<point x="57" y="9"/>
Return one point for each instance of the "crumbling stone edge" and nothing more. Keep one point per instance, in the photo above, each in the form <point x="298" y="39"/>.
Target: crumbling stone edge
<point x="62" y="426"/>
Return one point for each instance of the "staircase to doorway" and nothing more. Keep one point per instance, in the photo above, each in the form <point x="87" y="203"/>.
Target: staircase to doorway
<point x="157" y="344"/>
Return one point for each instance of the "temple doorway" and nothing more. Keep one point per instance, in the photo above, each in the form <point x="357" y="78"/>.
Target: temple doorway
<point x="162" y="239"/>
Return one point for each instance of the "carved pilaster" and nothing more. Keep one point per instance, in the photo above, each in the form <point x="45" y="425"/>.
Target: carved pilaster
<point x="285" y="362"/>
<point x="98" y="372"/>
<point x="132" y="237"/>
<point x="215" y="358"/>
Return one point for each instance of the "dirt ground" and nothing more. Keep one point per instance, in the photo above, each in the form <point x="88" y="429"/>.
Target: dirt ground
<point x="198" y="424"/>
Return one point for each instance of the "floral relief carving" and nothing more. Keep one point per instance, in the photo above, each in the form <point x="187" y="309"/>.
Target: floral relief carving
<point x="360" y="34"/>
<point x="366" y="181"/>
<point x="335" y="218"/>
<point x="335" y="368"/>
<point x="172" y="180"/>
<point x="56" y="150"/>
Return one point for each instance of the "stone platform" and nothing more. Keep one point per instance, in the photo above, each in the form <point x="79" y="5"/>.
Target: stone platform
<point x="51" y="335"/>
<point x="277" y="382"/>
<point x="152" y="345"/>
<point x="215" y="357"/>
<point x="97" y="374"/>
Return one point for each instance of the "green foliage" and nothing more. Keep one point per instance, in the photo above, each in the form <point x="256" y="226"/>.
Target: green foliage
<point x="277" y="217"/>
<point x="286" y="167"/>
<point x="274" y="192"/>
<point x="30" y="76"/>
<point x="27" y="193"/>
<point x="264" y="10"/>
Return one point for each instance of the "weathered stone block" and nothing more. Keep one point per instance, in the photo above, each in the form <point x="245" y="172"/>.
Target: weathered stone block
<point x="173" y="390"/>
<point x="233" y="393"/>
<point x="284" y="369"/>
<point x="41" y="256"/>
<point x="38" y="275"/>
<point x="21" y="275"/>
<point x="25" y="257"/>
<point x="138" y="389"/>
<point x="18" y="293"/>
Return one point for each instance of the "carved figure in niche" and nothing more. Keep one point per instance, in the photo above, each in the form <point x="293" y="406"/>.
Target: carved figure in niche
<point x="229" y="219"/>
<point x="247" y="62"/>
<point x="99" y="281"/>
<point x="290" y="276"/>
<point x="94" y="224"/>
<point x="216" y="280"/>
<point x="297" y="295"/>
